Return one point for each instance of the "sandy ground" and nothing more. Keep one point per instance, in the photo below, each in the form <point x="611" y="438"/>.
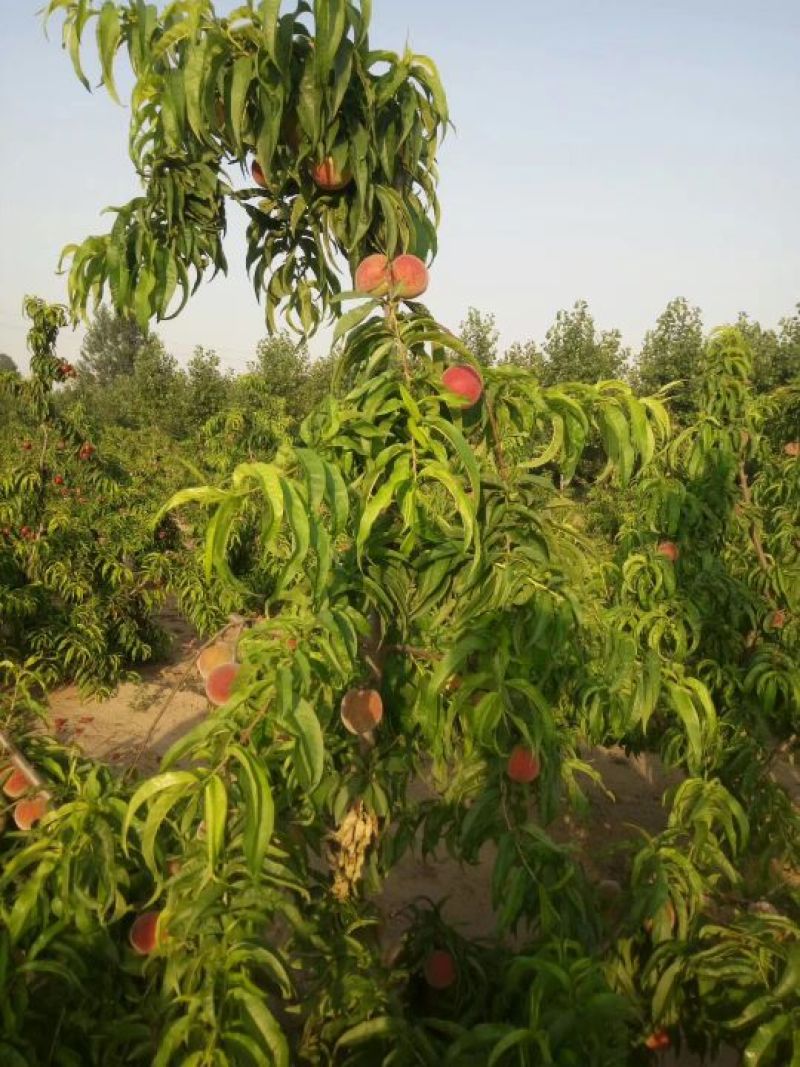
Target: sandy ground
<point x="135" y="725"/>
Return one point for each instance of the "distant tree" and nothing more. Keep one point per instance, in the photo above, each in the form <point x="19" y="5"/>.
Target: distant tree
<point x="574" y="351"/>
<point x="672" y="351"/>
<point x="525" y="354"/>
<point x="110" y="347"/>
<point x="7" y="364"/>
<point x="319" y="381"/>
<point x="285" y="367"/>
<point x="479" y="334"/>
<point x="776" y="354"/>
<point x="207" y="388"/>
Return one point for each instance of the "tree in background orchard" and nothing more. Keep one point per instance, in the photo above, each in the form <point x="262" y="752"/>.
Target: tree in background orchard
<point x="428" y="607"/>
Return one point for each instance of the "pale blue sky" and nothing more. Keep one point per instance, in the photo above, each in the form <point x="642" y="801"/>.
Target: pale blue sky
<point x="624" y="152"/>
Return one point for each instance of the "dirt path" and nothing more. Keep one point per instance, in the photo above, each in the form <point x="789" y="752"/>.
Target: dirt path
<point x="135" y="722"/>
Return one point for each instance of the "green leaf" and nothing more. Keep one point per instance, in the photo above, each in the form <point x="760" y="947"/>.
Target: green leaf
<point x="240" y="84"/>
<point x="764" y="1040"/>
<point x="352" y="318"/>
<point x="108" y="37"/>
<point x="259" y="807"/>
<point x="270" y="11"/>
<point x="383" y="1026"/>
<point x="399" y="478"/>
<point x="310" y="746"/>
<point x="215" y="813"/>
<point x="515" y="1037"/>
<point x="465" y="508"/>
<point x="272" y="1038"/>
<point x="184" y="780"/>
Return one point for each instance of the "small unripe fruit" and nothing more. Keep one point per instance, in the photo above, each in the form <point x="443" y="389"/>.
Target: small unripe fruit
<point x="465" y="382"/>
<point x="409" y="277"/>
<point x="328" y="177"/>
<point x="26" y="446"/>
<point x="361" y="710"/>
<point x="373" y="276"/>
<point x="257" y="172"/>
<point x="28" y="812"/>
<point x="440" y="969"/>
<point x="144" y="936"/>
<point x="669" y="550"/>
<point x="523" y="765"/>
<point x="219" y="684"/>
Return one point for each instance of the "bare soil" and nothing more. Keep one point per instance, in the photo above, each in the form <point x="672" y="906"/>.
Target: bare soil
<point x="141" y="720"/>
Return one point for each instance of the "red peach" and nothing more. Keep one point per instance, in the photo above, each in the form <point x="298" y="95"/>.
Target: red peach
<point x="440" y="969"/>
<point x="659" y="1039"/>
<point x="219" y="683"/>
<point x="361" y="710"/>
<point x="257" y="172"/>
<point x="144" y="934"/>
<point x="777" y="619"/>
<point x="28" y="812"/>
<point x="523" y="765"/>
<point x="409" y="277"/>
<point x="373" y="275"/>
<point x="465" y="382"/>
<point x="669" y="550"/>
<point x="792" y="448"/>
<point x="329" y="177"/>
<point x="17" y="784"/>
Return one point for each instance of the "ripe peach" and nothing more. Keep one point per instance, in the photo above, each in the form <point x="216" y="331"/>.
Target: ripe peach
<point x="28" y="812"/>
<point x="17" y="784"/>
<point x="465" y="382"/>
<point x="777" y="619"/>
<point x="409" y="277"/>
<point x="361" y="710"/>
<point x="219" y="683"/>
<point x="440" y="969"/>
<point x="257" y="171"/>
<point x="329" y="177"/>
<point x="659" y="1039"/>
<point x="792" y="448"/>
<point x="373" y="275"/>
<point x="669" y="550"/>
<point x="214" y="656"/>
<point x="523" y="765"/>
<point x="144" y="934"/>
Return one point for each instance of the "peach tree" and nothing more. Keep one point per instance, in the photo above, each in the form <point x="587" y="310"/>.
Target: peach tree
<point x="431" y="608"/>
